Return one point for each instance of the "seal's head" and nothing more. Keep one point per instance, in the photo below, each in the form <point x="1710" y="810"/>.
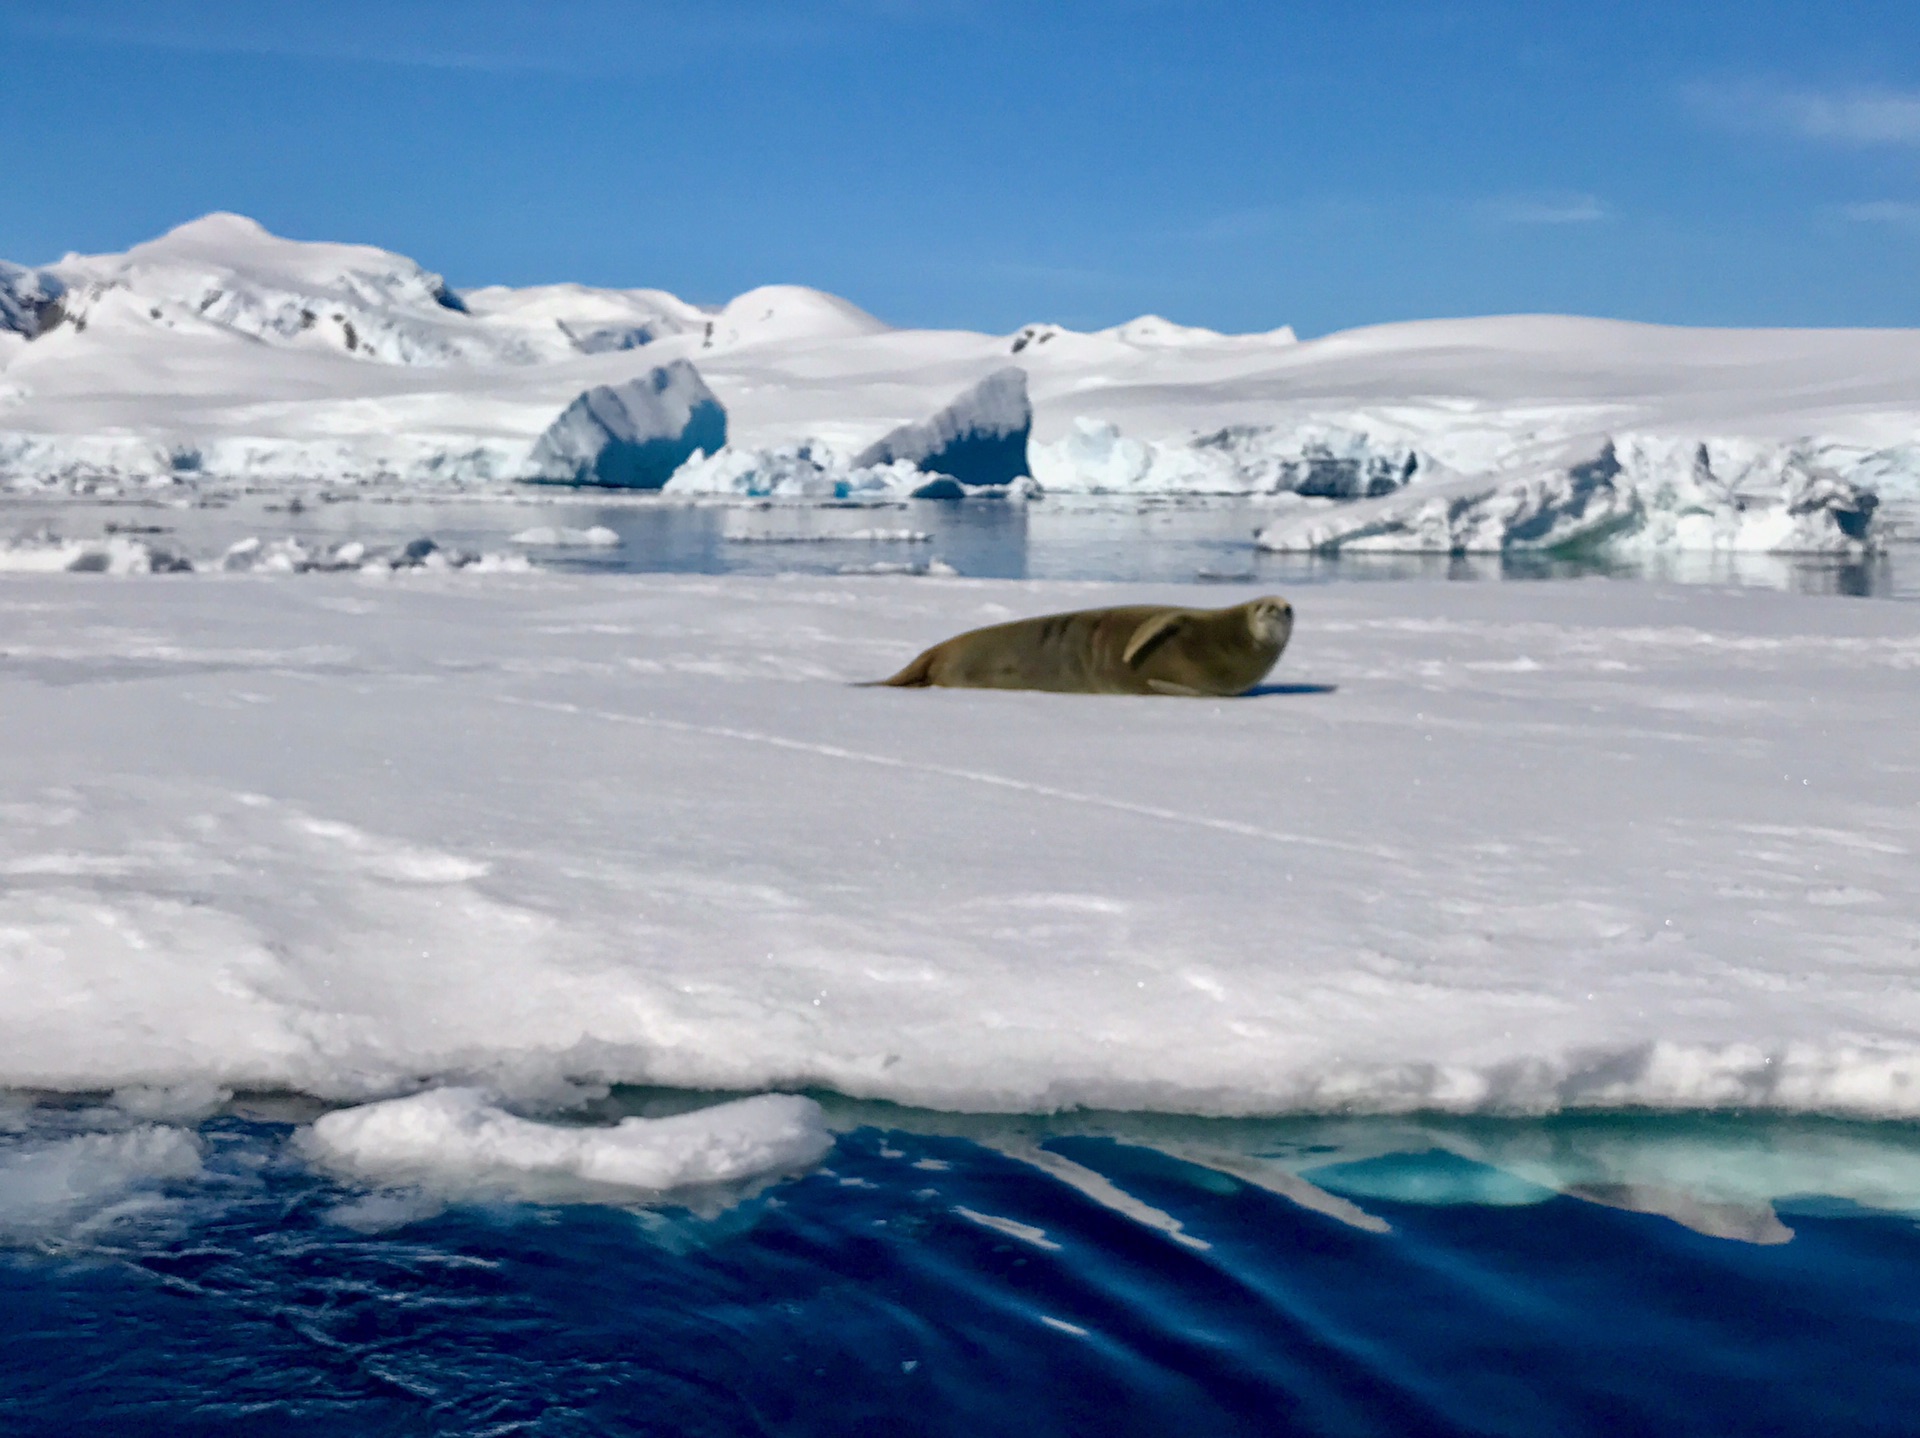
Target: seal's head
<point x="1270" y="620"/>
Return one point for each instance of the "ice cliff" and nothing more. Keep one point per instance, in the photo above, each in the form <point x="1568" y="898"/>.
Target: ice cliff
<point x="632" y="435"/>
<point x="1637" y="495"/>
<point x="980" y="438"/>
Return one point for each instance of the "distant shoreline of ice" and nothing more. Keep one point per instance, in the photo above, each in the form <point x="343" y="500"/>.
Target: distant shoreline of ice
<point x="304" y="364"/>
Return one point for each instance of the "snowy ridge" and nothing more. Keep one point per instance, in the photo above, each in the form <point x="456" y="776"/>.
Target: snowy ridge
<point x="226" y="273"/>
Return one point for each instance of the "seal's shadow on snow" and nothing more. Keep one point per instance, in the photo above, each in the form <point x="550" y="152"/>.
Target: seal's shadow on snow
<point x="1265" y="691"/>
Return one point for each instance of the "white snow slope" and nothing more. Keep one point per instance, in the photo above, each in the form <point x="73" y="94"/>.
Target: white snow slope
<point x="1535" y="846"/>
<point x="219" y="350"/>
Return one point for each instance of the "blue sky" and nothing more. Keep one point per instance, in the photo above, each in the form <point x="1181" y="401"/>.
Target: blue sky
<point x="989" y="162"/>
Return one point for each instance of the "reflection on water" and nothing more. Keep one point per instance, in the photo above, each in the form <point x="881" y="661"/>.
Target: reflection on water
<point x="1162" y="541"/>
<point x="941" y="1274"/>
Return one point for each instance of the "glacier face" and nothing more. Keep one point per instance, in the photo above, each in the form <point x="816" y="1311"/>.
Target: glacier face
<point x="1637" y="495"/>
<point x="220" y="353"/>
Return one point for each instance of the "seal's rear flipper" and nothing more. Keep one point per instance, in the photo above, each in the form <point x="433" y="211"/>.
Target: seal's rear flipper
<point x="917" y="675"/>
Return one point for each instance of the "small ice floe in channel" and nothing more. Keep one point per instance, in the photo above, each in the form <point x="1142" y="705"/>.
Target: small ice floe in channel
<point x="454" y="1144"/>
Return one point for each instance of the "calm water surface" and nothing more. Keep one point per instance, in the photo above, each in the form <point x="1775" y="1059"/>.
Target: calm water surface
<point x="1171" y="541"/>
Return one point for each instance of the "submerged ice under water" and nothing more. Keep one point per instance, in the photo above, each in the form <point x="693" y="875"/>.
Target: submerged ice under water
<point x="944" y="1275"/>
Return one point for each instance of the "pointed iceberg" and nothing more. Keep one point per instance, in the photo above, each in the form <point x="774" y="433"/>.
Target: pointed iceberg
<point x="978" y="439"/>
<point x="632" y="435"/>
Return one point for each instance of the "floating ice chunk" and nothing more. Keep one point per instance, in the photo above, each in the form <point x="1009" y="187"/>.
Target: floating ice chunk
<point x="54" y="1189"/>
<point x="632" y="435"/>
<point x="938" y="568"/>
<point x="980" y="438"/>
<point x="870" y="535"/>
<point x="50" y="554"/>
<point x="817" y="524"/>
<point x="547" y="536"/>
<point x="792" y="472"/>
<point x="277" y="556"/>
<point x="457" y="1140"/>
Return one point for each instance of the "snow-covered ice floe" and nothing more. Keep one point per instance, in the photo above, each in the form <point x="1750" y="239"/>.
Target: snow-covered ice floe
<point x="457" y="1141"/>
<point x="1501" y="847"/>
<point x="549" y="536"/>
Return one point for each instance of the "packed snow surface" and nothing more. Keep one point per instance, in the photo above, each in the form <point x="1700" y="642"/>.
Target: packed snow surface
<point x="1515" y="847"/>
<point x="220" y="352"/>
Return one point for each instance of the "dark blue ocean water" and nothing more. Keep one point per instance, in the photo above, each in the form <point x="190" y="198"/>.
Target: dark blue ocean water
<point x="921" y="1283"/>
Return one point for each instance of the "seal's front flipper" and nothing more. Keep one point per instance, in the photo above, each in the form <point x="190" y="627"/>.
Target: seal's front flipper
<point x="1162" y="686"/>
<point x="1149" y="637"/>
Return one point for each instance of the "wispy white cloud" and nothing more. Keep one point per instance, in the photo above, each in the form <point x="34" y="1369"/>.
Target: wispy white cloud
<point x="1900" y="214"/>
<point x="1563" y="208"/>
<point x="1855" y="116"/>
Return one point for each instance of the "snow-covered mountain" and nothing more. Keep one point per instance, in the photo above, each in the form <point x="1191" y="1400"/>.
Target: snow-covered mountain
<point x="220" y="352"/>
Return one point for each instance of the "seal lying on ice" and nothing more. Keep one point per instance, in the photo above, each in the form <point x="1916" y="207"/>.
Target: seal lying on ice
<point x="1135" y="649"/>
